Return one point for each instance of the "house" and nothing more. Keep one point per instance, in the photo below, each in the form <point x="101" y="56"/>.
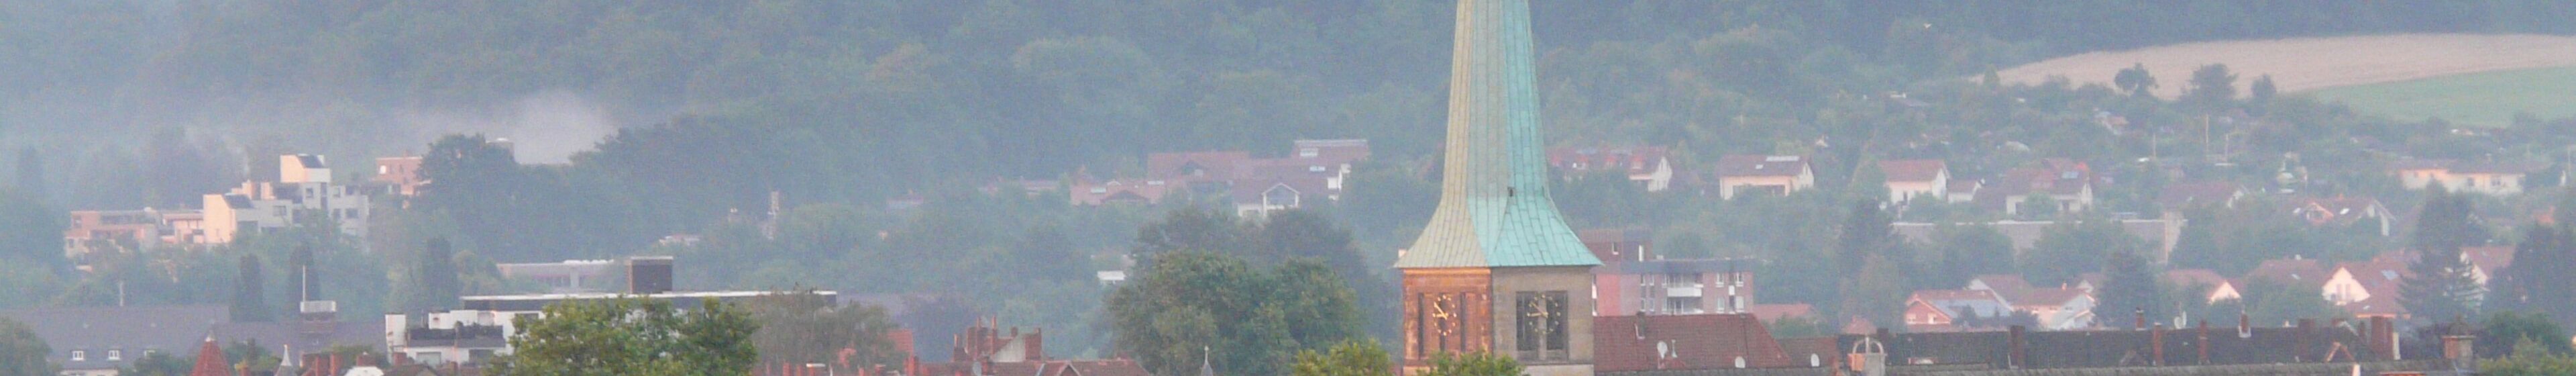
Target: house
<point x="401" y="174"/>
<point x="1119" y="192"/>
<point x="2218" y="287"/>
<point x="2058" y="308"/>
<point x="1674" y="287"/>
<point x="96" y="341"/>
<point x="1191" y="167"/>
<point x="2061" y="308"/>
<point x="1617" y="245"/>
<point x="1649" y="167"/>
<point x="2485" y="261"/>
<point x="479" y="327"/>
<point x="304" y="193"/>
<point x="568" y="276"/>
<point x="2063" y="184"/>
<point x="985" y="349"/>
<point x="1940" y="310"/>
<point x="1908" y="179"/>
<point x="1963" y="190"/>
<point x="2176" y="197"/>
<point x="1689" y="342"/>
<point x="2160" y="234"/>
<point x="2296" y="272"/>
<point x="2345" y="212"/>
<point x="2369" y="288"/>
<point x="2489" y="178"/>
<point x="1763" y="174"/>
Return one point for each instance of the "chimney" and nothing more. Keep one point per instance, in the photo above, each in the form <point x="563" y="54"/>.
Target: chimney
<point x="2016" y="357"/>
<point x="647" y="275"/>
<point x="2141" y="313"/>
<point x="2203" y="342"/>
<point x="2156" y="340"/>
<point x="2244" y="326"/>
<point x="2383" y="338"/>
<point x="2461" y="350"/>
<point x="2306" y="327"/>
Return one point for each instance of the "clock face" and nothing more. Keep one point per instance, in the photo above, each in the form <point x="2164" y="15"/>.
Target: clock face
<point x="1444" y="314"/>
<point x="1539" y="313"/>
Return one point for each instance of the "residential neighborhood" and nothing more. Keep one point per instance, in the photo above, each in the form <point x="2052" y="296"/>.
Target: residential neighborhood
<point x="1304" y="188"/>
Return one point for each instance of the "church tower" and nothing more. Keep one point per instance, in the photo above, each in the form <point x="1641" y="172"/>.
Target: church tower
<point x="1497" y="269"/>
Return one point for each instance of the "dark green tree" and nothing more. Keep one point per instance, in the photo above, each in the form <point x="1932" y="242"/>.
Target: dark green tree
<point x="2261" y="91"/>
<point x="2197" y="247"/>
<point x="2506" y="332"/>
<point x="1191" y="304"/>
<point x="2129" y="286"/>
<point x="2536" y="281"/>
<point x="1969" y="250"/>
<point x="30" y="231"/>
<point x="434" y="283"/>
<point x="2212" y="88"/>
<point x="1189" y="229"/>
<point x="1472" y="364"/>
<point x="1357" y="357"/>
<point x="1867" y="230"/>
<point x="802" y="328"/>
<point x="22" y="353"/>
<point x="250" y="297"/>
<point x="633" y="336"/>
<point x="2070" y="248"/>
<point x="2135" y="80"/>
<point x="2440" y="285"/>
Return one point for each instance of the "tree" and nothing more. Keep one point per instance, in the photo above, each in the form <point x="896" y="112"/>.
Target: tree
<point x="1189" y="229"/>
<point x="2212" y="88"/>
<point x="434" y="281"/>
<point x="2440" y="285"/>
<point x="1867" y="231"/>
<point x="2506" y="333"/>
<point x="2135" y="80"/>
<point x="2129" y="287"/>
<point x="30" y="230"/>
<point x="1971" y="250"/>
<point x="2537" y="280"/>
<point x="2070" y="248"/>
<point x="250" y="295"/>
<point x="633" y="336"/>
<point x="1472" y="364"/>
<point x="2197" y="246"/>
<point x="22" y="353"/>
<point x="802" y="328"/>
<point x="1356" y="357"/>
<point x="2262" y="90"/>
<point x="1193" y="304"/>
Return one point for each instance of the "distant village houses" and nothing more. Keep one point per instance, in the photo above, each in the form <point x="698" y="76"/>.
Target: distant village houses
<point x="1777" y="175"/>
<point x="1252" y="187"/>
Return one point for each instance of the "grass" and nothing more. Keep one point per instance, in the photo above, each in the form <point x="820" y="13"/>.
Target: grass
<point x="2488" y="99"/>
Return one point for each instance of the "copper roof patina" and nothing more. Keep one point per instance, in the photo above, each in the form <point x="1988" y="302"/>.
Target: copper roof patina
<point x="1494" y="208"/>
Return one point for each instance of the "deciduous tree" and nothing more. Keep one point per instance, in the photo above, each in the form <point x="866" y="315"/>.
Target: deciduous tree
<point x="633" y="336"/>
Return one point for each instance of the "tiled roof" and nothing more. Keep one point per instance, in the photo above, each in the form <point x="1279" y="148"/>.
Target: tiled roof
<point x="2179" y="195"/>
<point x="1777" y="311"/>
<point x="2048" y="297"/>
<point x="175" y="330"/>
<point x="2489" y="258"/>
<point x="1740" y="165"/>
<point x="1206" y="164"/>
<point x="2010" y="287"/>
<point x="2304" y="273"/>
<point x="1983" y="303"/>
<point x="1494" y="208"/>
<point x="1912" y="170"/>
<point x="1705" y="341"/>
<point x="2195" y="277"/>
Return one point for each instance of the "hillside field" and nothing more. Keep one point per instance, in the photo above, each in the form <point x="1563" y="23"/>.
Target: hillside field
<point x="2487" y="99"/>
<point x="2307" y="64"/>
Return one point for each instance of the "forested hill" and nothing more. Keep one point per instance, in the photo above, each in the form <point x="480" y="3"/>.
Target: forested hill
<point x="854" y="100"/>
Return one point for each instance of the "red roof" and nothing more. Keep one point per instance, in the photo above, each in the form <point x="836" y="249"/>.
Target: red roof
<point x="2305" y="273"/>
<point x="210" y="361"/>
<point x="2488" y="258"/>
<point x="2048" y="297"/>
<point x="1193" y="165"/>
<point x="2195" y="277"/>
<point x="1912" y="170"/>
<point x="1775" y="312"/>
<point x="1743" y="165"/>
<point x="2179" y="195"/>
<point x="1706" y="341"/>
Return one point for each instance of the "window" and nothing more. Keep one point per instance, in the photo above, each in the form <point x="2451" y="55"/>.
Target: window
<point x="80" y="355"/>
<point x="1540" y="319"/>
<point x="115" y="355"/>
<point x="1308" y="152"/>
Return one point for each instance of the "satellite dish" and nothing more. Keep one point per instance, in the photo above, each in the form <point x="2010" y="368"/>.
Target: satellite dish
<point x="1664" y="349"/>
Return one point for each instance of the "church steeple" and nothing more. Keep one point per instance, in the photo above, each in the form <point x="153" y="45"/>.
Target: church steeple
<point x="1494" y="206"/>
<point x="1497" y="270"/>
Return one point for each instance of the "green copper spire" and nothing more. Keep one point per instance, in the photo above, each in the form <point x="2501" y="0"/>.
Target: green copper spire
<point x="1494" y="207"/>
